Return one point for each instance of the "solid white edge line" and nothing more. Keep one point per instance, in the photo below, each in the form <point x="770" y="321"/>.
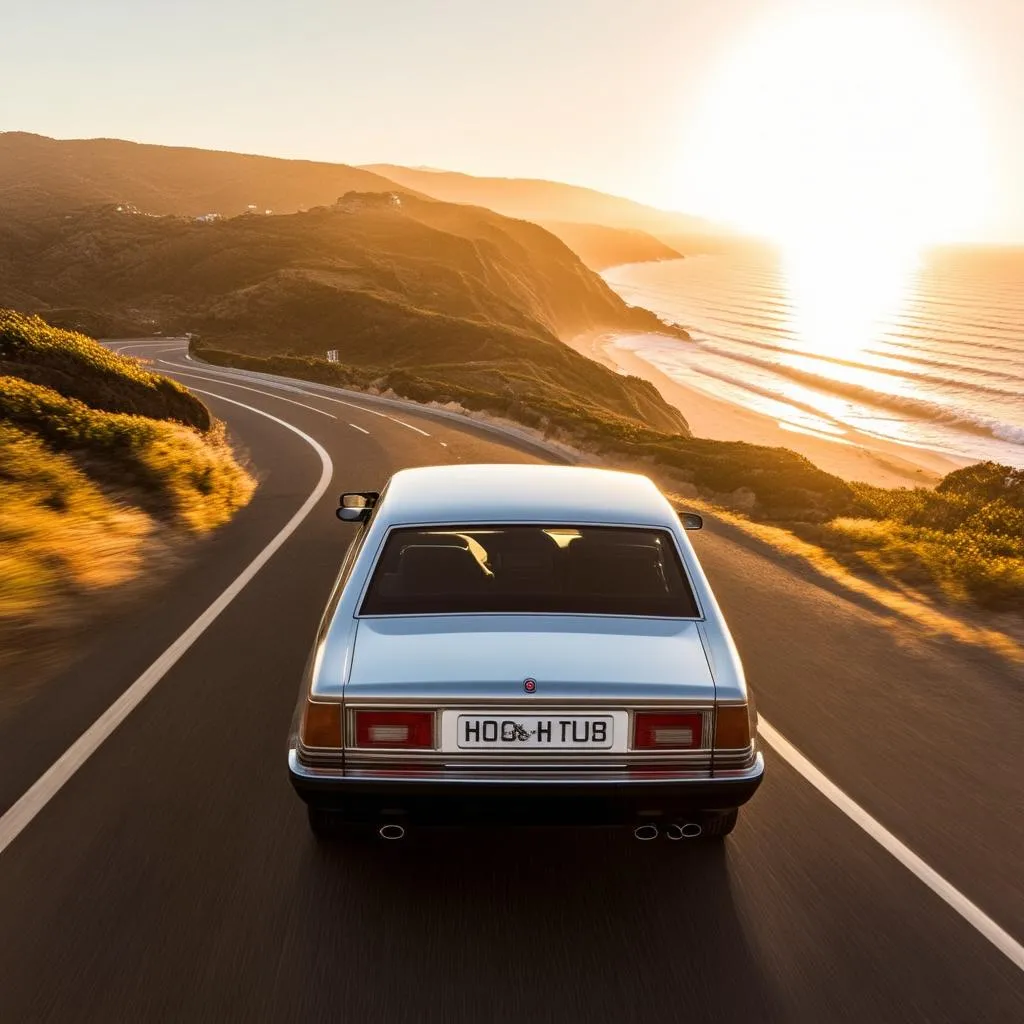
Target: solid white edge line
<point x="21" y="813"/>
<point x="309" y="394"/>
<point x="254" y="377"/>
<point x="946" y="891"/>
<point x="362" y="430"/>
<point x="255" y="391"/>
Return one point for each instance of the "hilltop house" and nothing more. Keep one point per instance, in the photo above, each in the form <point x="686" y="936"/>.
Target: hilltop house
<point x="352" y="202"/>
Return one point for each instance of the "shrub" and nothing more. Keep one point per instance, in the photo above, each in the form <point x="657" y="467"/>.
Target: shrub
<point x="78" y="367"/>
<point x="178" y="474"/>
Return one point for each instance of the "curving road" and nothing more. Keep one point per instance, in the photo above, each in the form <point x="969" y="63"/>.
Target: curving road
<point x="155" y="865"/>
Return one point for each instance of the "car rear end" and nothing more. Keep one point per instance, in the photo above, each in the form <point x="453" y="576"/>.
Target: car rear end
<point x="526" y="673"/>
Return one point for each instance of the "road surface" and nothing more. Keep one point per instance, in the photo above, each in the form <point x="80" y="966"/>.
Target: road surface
<point x="171" y="877"/>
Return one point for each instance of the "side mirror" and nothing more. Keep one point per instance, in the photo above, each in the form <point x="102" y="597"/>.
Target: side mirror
<point x="356" y="506"/>
<point x="691" y="521"/>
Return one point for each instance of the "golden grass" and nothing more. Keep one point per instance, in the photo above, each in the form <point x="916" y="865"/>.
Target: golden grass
<point x="56" y="527"/>
<point x="901" y="601"/>
<point x="92" y="499"/>
<point x="203" y="482"/>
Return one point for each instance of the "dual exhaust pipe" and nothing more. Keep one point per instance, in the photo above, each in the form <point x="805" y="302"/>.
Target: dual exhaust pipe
<point x="675" y="831"/>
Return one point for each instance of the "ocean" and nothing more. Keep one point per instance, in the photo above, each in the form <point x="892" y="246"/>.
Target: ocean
<point x="928" y="355"/>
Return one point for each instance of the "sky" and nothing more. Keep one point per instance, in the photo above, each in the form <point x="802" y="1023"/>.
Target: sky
<point x="614" y="95"/>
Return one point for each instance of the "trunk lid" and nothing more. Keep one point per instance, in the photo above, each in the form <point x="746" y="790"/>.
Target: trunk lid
<point x="489" y="657"/>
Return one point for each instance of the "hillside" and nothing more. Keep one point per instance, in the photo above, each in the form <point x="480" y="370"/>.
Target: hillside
<point x="39" y="175"/>
<point x="546" y="202"/>
<point x="105" y="468"/>
<point x="600" y="247"/>
<point x="389" y="282"/>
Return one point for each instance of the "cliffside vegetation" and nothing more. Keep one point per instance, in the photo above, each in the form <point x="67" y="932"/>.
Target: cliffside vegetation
<point x="456" y="294"/>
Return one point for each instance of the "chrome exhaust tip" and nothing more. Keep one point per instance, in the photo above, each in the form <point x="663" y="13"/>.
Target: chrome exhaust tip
<point x="645" y="833"/>
<point x="391" y="832"/>
<point x="689" y="830"/>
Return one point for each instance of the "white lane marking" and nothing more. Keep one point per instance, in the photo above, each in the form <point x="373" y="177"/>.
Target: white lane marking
<point x="46" y="787"/>
<point x="395" y="419"/>
<point x="360" y="429"/>
<point x="26" y="808"/>
<point x="255" y="391"/>
<point x="309" y="394"/>
<point x="970" y="912"/>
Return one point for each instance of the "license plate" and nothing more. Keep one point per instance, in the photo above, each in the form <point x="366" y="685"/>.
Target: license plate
<point x="531" y="732"/>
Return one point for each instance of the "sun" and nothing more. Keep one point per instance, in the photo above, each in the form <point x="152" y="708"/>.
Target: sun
<point x="852" y="126"/>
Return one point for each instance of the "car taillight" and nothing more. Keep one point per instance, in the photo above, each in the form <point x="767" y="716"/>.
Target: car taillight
<point x="732" y="727"/>
<point x="321" y="724"/>
<point x="407" y="730"/>
<point x="656" y="731"/>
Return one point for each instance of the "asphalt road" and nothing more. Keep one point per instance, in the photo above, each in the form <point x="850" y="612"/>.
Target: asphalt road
<point x="172" y="878"/>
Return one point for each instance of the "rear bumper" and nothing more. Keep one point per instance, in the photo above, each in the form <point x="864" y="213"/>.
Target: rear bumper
<point x="447" y="800"/>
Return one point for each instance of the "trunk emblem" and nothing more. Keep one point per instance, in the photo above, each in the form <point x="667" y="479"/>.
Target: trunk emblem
<point x="530" y="685"/>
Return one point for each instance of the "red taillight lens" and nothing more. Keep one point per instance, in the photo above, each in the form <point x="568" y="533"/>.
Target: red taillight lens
<point x="666" y="732"/>
<point x="405" y="730"/>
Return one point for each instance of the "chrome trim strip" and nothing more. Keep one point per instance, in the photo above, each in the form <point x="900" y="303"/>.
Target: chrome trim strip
<point x="625" y="778"/>
<point x="511" y="758"/>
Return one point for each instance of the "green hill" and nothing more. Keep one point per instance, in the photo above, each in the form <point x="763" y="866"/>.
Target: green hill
<point x="391" y="282"/>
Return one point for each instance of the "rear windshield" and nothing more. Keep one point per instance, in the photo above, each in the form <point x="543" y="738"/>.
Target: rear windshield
<point x="596" y="570"/>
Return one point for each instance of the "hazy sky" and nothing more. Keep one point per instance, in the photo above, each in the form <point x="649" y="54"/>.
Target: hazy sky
<point x="598" y="92"/>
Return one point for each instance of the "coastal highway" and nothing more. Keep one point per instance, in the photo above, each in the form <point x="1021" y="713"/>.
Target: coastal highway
<point x="156" y="866"/>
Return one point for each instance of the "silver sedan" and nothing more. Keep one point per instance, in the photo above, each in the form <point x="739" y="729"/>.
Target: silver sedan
<point x="522" y="644"/>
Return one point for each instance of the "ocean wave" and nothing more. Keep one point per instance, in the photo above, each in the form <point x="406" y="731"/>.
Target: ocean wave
<point x="911" y="377"/>
<point x="946" y="364"/>
<point x="921" y="408"/>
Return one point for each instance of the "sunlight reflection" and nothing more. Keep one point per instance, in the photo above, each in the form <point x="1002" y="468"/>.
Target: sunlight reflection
<point x="839" y="300"/>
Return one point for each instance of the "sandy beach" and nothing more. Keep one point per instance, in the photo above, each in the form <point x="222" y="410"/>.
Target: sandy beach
<point x="855" y="456"/>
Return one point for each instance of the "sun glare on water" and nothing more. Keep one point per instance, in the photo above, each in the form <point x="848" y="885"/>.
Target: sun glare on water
<point x="849" y="136"/>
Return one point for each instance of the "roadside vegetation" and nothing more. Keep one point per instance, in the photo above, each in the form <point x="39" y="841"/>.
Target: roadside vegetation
<point x="964" y="539"/>
<point x="104" y="469"/>
<point x="960" y="544"/>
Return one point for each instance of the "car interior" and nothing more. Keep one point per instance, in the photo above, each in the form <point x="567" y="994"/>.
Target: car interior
<point x="530" y="568"/>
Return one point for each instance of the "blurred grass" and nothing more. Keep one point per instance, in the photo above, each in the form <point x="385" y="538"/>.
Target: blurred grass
<point x="58" y="530"/>
<point x="91" y="498"/>
<point x="172" y="471"/>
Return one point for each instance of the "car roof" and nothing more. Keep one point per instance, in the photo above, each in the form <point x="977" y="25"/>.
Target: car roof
<point x="527" y="493"/>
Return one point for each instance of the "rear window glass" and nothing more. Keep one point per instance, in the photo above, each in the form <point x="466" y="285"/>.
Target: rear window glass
<point x="596" y="570"/>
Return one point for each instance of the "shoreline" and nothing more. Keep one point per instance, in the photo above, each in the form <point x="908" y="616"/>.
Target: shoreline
<point x="855" y="456"/>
